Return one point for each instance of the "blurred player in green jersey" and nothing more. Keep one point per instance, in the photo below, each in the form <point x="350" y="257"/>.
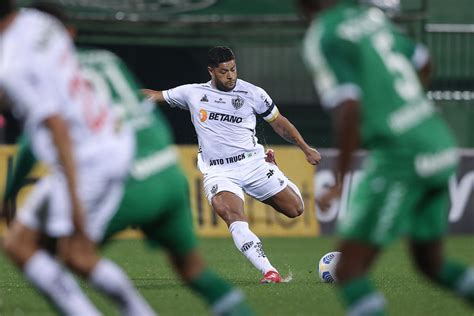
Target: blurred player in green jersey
<point x="364" y="72"/>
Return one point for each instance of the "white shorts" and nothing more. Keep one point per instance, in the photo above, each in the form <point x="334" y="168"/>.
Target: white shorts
<point x="100" y="188"/>
<point x="258" y="178"/>
<point x="47" y="208"/>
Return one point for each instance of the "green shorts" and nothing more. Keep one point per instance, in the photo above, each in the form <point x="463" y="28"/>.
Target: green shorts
<point x="391" y="200"/>
<point x="159" y="206"/>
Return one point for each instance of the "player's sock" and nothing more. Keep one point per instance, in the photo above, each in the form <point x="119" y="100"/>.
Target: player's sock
<point x="459" y="278"/>
<point x="249" y="244"/>
<point x="361" y="298"/>
<point x="112" y="281"/>
<point x="223" y="299"/>
<point x="58" y="285"/>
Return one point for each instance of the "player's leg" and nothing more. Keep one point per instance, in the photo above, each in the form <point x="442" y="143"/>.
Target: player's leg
<point x="79" y="251"/>
<point x="426" y="246"/>
<point x="430" y="261"/>
<point x="22" y="245"/>
<point x="356" y="289"/>
<point x="272" y="187"/>
<point x="229" y="205"/>
<point x="377" y="213"/>
<point x="220" y="295"/>
<point x="288" y="201"/>
<point x="166" y="219"/>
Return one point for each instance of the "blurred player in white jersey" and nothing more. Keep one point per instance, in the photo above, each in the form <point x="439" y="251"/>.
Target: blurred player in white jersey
<point x="223" y="112"/>
<point x="74" y="133"/>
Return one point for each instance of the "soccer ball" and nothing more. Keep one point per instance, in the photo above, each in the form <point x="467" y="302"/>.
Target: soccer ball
<point x="327" y="267"/>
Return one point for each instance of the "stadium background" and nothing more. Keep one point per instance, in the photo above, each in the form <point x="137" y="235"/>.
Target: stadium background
<point x="165" y="43"/>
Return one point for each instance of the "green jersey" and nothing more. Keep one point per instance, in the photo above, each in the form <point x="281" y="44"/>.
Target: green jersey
<point x="355" y="52"/>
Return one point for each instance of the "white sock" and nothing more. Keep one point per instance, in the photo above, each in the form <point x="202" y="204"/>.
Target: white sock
<point x="249" y="244"/>
<point x="297" y="191"/>
<point x="112" y="281"/>
<point x="58" y="285"/>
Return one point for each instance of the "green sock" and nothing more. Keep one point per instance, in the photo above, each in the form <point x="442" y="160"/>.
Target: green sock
<point x="361" y="298"/>
<point x="459" y="278"/>
<point x="221" y="296"/>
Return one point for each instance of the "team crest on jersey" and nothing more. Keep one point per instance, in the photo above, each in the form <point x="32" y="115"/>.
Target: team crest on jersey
<point x="204" y="98"/>
<point x="214" y="189"/>
<point x="238" y="102"/>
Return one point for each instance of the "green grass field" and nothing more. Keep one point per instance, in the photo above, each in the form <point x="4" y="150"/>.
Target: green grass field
<point x="407" y="293"/>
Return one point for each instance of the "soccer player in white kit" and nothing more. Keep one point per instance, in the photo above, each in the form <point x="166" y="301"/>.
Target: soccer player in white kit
<point x="232" y="161"/>
<point x="74" y="133"/>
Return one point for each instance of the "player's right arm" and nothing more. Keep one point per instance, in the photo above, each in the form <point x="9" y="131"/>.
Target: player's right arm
<point x="154" y="95"/>
<point x="175" y="97"/>
<point x="60" y="135"/>
<point x="332" y="61"/>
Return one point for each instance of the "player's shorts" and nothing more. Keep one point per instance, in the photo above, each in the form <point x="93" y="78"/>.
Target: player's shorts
<point x="47" y="208"/>
<point x="391" y="200"/>
<point x="159" y="206"/>
<point x="100" y="182"/>
<point x="257" y="178"/>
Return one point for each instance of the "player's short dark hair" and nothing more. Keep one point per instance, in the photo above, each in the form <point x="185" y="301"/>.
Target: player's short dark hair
<point x="53" y="9"/>
<point x="6" y="7"/>
<point x="219" y="54"/>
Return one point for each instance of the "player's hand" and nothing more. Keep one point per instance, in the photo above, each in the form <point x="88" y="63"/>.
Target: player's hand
<point x="150" y="94"/>
<point x="78" y="219"/>
<point x="312" y="156"/>
<point x="325" y="201"/>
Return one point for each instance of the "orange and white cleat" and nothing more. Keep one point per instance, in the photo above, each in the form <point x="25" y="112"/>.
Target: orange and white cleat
<point x="271" y="277"/>
<point x="270" y="156"/>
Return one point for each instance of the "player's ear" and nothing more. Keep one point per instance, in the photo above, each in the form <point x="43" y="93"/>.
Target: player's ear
<point x="210" y="69"/>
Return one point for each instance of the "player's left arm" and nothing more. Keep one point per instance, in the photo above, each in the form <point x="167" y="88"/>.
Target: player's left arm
<point x="419" y="56"/>
<point x="283" y="127"/>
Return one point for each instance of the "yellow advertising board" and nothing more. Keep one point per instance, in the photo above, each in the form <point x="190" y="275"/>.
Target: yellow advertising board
<point x="263" y="219"/>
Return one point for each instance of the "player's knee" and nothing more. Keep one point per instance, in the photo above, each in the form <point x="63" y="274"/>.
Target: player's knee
<point x="228" y="213"/>
<point x="18" y="250"/>
<point x="294" y="209"/>
<point x="79" y="258"/>
<point x="10" y="245"/>
<point x="77" y="262"/>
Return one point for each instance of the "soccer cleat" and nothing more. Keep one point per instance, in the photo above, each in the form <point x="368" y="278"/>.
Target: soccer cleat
<point x="271" y="277"/>
<point x="270" y="157"/>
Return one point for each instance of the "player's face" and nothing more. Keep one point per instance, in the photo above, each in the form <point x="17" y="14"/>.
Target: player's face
<point x="225" y="75"/>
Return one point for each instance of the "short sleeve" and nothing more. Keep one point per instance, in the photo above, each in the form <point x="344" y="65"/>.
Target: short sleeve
<point x="36" y="91"/>
<point x="332" y="65"/>
<point x="177" y="97"/>
<point x="264" y="106"/>
<point x="33" y="94"/>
